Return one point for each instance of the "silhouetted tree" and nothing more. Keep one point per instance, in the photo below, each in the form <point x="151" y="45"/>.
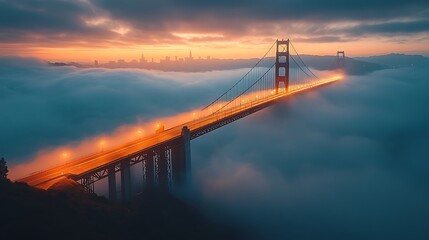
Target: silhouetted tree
<point x="3" y="170"/>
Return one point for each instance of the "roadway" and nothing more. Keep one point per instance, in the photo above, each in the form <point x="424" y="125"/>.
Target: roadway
<point x="48" y="177"/>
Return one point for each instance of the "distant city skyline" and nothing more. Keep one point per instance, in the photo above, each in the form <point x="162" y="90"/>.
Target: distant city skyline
<point x="86" y="55"/>
<point x="147" y="62"/>
<point x="149" y="59"/>
<point x="189" y="63"/>
<point x="84" y="31"/>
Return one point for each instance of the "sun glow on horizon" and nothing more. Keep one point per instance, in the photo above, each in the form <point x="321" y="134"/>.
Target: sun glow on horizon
<point x="77" y="51"/>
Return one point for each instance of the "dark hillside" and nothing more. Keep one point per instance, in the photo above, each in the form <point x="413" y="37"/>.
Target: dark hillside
<point x="29" y="213"/>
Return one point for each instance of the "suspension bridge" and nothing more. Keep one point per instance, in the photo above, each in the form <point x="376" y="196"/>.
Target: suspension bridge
<point x="165" y="157"/>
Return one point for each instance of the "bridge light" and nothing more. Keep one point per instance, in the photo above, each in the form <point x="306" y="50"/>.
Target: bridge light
<point x="140" y="133"/>
<point x="159" y="128"/>
<point x="338" y="77"/>
<point x="65" y="156"/>
<point x="102" y="143"/>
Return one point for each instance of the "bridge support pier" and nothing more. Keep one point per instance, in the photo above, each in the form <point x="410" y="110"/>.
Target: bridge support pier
<point x="165" y="167"/>
<point x="341" y="60"/>
<point x="88" y="184"/>
<point x="126" y="180"/>
<point x="112" y="183"/>
<point x="150" y="176"/>
<point x="282" y="64"/>
<point x="186" y="136"/>
<point x="160" y="167"/>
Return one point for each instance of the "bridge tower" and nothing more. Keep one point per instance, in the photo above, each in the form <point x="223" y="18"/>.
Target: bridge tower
<point x="282" y="64"/>
<point x="341" y="59"/>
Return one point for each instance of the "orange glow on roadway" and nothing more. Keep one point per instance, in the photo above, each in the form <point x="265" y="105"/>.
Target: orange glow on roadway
<point x="49" y="157"/>
<point x="125" y="135"/>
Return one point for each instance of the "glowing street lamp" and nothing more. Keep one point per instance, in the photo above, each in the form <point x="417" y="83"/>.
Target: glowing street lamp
<point x="102" y="144"/>
<point x="159" y="128"/>
<point x="140" y="133"/>
<point x="65" y="156"/>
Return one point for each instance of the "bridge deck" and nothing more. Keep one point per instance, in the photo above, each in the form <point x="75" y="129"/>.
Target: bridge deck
<point x="46" y="178"/>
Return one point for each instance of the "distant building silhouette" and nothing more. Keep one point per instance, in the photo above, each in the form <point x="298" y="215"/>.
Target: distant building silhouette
<point x="143" y="59"/>
<point x="190" y="58"/>
<point x="166" y="60"/>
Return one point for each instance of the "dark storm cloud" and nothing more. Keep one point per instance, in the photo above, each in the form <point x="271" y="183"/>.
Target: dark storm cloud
<point x="52" y="21"/>
<point x="46" y="21"/>
<point x="43" y="106"/>
<point x="391" y="28"/>
<point x="348" y="161"/>
<point x="212" y="15"/>
<point x="164" y="11"/>
<point x="321" y="39"/>
<point x="42" y="14"/>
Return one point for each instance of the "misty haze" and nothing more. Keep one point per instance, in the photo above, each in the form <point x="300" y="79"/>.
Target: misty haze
<point x="282" y="119"/>
<point x="317" y="165"/>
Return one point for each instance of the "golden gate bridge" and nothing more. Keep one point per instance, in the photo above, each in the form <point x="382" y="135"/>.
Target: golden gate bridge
<point x="165" y="157"/>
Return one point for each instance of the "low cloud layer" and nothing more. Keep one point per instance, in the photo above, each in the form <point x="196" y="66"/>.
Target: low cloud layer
<point x="346" y="161"/>
<point x="44" y="107"/>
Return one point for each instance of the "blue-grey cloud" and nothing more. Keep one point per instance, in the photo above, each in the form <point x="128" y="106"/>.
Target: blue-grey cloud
<point x="391" y="28"/>
<point x="42" y="14"/>
<point x="247" y="17"/>
<point x="154" y="11"/>
<point x="348" y="161"/>
<point x="53" y="22"/>
<point x="46" y="106"/>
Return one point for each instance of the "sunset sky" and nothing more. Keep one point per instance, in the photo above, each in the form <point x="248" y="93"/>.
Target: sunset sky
<point x="346" y="160"/>
<point x="86" y="30"/>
